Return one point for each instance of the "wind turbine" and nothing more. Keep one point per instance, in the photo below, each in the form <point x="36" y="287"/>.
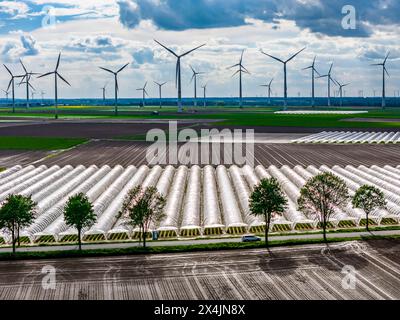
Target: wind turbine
<point x="329" y="77"/>
<point x="284" y="71"/>
<point x="27" y="78"/>
<point x="383" y="64"/>
<point x="313" y="72"/>
<point x="56" y="76"/>
<point x="33" y="95"/>
<point x="341" y="86"/>
<point x="42" y="93"/>
<point x="240" y="71"/>
<point x="144" y="93"/>
<point x="194" y="77"/>
<point x="116" y="84"/>
<point x="204" y="87"/>
<point x="12" y="85"/>
<point x="104" y="93"/>
<point x="7" y="92"/>
<point x="160" y="85"/>
<point x="178" y="80"/>
<point x="269" y="89"/>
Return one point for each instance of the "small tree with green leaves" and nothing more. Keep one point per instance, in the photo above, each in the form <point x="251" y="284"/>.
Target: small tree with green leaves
<point x="78" y="213"/>
<point x="321" y="195"/>
<point x="143" y="208"/>
<point x="368" y="198"/>
<point x="17" y="212"/>
<point x="267" y="200"/>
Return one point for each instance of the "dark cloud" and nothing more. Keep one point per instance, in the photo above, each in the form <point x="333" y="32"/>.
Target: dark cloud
<point x="319" y="16"/>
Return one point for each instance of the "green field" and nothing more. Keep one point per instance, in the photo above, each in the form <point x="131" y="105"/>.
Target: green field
<point x="38" y="143"/>
<point x="228" y="116"/>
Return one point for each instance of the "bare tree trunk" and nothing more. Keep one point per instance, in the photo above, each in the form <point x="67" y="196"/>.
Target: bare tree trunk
<point x="19" y="244"/>
<point x="13" y="239"/>
<point x="79" y="239"/>
<point x="267" y="223"/>
<point x="144" y="236"/>
<point x="367" y="224"/>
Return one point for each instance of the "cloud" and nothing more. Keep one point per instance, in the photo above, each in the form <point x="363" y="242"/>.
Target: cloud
<point x="143" y="55"/>
<point x="318" y="16"/>
<point x="96" y="44"/>
<point x="12" y="50"/>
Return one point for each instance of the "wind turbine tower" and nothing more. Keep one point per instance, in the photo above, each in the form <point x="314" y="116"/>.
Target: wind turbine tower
<point x="144" y="94"/>
<point x="384" y="70"/>
<point x="178" y="78"/>
<point x="285" y="88"/>
<point x="269" y="89"/>
<point x="116" y="84"/>
<point x="12" y="85"/>
<point x="240" y="71"/>
<point x="329" y="77"/>
<point x="194" y="77"/>
<point x="160" y="85"/>
<point x="56" y="77"/>
<point x="313" y="72"/>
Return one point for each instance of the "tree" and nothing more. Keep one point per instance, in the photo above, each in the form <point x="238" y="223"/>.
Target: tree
<point x="143" y="208"/>
<point x="16" y="213"/>
<point x="266" y="200"/>
<point x="368" y="198"/>
<point x="321" y="195"/>
<point x="79" y="213"/>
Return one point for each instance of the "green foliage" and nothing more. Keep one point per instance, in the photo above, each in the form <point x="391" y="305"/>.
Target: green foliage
<point x="143" y="208"/>
<point x="17" y="212"/>
<point x="321" y="195"/>
<point x="368" y="198"/>
<point x="78" y="212"/>
<point x="266" y="200"/>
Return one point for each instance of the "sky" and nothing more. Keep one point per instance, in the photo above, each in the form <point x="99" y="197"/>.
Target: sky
<point x="111" y="33"/>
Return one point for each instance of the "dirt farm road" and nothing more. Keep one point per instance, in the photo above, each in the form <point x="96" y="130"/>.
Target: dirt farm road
<point x="301" y="272"/>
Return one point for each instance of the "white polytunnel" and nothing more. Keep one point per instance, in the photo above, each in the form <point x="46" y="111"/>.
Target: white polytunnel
<point x="191" y="224"/>
<point x="230" y="208"/>
<point x="199" y="201"/>
<point x="212" y="215"/>
<point x="350" y="137"/>
<point x="243" y="194"/>
<point x="172" y="210"/>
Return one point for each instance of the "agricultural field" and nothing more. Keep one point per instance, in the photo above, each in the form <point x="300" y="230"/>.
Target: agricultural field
<point x="200" y="201"/>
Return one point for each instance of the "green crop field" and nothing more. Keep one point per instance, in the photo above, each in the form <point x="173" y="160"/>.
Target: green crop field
<point x="38" y="143"/>
<point x="228" y="116"/>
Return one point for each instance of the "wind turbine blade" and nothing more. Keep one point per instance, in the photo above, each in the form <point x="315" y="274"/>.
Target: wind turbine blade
<point x="157" y="83"/>
<point x="235" y="73"/>
<point x="163" y="83"/>
<point x="108" y="70"/>
<point x="246" y="70"/>
<point x="235" y="65"/>
<point x="345" y="85"/>
<point x="145" y="85"/>
<point x="271" y="81"/>
<point x="8" y="70"/>
<point x="277" y="59"/>
<point x="192" y="77"/>
<point x="323" y="76"/>
<point x="297" y="53"/>
<point x="166" y="48"/>
<point x="31" y="86"/>
<point x="22" y="64"/>
<point x="63" y="79"/>
<point x="192" y="69"/>
<point x="58" y="61"/>
<point x="330" y="69"/>
<point x="310" y="67"/>
<point x="122" y="68"/>
<point x="386" y="71"/>
<point x="190" y="51"/>
<point x="316" y="71"/>
<point x="46" y="74"/>
<point x="313" y="64"/>
<point x="241" y="57"/>
<point x="145" y="92"/>
<point x="9" y="85"/>
<point x="387" y="56"/>
<point x="377" y="64"/>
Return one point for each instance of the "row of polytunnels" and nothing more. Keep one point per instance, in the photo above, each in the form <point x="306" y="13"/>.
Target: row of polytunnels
<point x="350" y="137"/>
<point x="200" y="201"/>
